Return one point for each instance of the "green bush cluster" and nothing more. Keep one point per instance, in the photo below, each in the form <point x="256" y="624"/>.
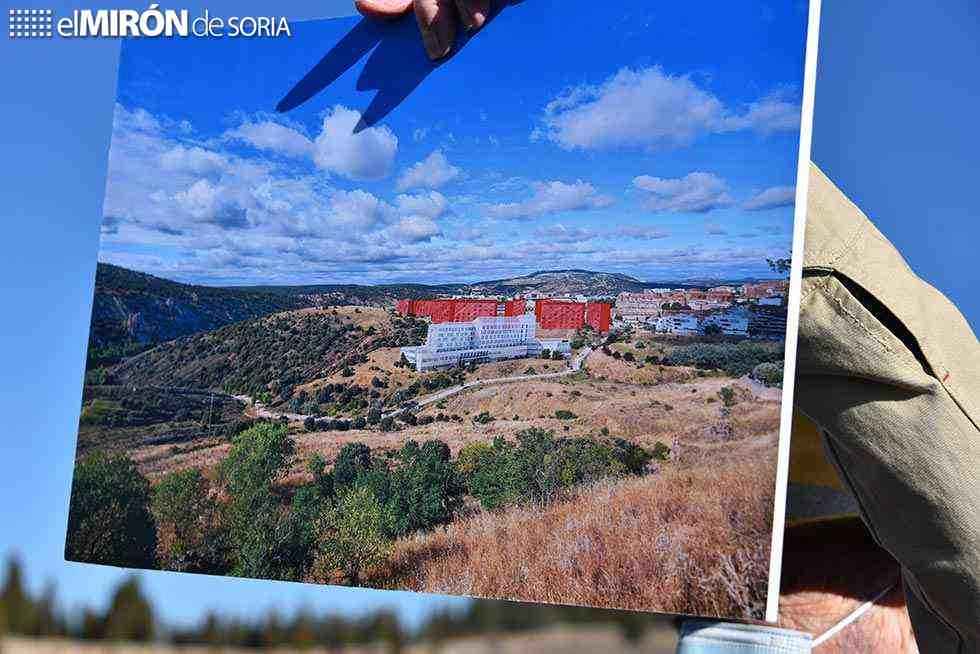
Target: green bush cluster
<point x="770" y="374"/>
<point x="539" y="466"/>
<point x="334" y="527"/>
<point x="736" y="359"/>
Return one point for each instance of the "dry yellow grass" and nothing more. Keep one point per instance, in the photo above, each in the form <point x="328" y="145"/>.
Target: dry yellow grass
<point x="686" y="416"/>
<point x="693" y="541"/>
<point x="602" y="366"/>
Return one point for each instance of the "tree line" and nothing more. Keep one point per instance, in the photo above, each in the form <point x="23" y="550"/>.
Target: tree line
<point x="130" y="616"/>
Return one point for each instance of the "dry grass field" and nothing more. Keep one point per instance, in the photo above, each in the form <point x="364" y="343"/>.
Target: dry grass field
<point x="692" y="540"/>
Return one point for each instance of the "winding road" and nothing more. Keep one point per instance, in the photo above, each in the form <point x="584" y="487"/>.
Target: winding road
<point x="575" y="365"/>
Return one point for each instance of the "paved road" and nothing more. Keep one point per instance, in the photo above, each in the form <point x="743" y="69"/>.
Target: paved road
<point x="261" y="411"/>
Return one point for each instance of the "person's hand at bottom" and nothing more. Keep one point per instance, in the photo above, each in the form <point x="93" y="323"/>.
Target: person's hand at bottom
<point x="437" y="19"/>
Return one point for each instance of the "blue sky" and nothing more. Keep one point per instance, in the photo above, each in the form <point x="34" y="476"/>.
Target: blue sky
<point x="656" y="143"/>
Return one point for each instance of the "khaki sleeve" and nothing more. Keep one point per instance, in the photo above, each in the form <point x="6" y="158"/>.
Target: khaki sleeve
<point x="890" y="372"/>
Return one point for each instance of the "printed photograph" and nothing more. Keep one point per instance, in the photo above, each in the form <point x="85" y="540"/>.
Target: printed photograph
<point x="510" y="324"/>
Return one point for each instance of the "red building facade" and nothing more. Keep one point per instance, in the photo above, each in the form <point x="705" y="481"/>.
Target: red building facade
<point x="469" y="310"/>
<point x="514" y="308"/>
<point x="553" y="314"/>
<point x="598" y="316"/>
<point x="550" y="314"/>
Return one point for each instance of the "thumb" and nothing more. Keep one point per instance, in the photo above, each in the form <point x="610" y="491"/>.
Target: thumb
<point x="383" y="8"/>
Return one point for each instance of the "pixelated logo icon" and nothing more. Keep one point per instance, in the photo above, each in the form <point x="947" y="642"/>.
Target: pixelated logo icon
<point x="30" y="23"/>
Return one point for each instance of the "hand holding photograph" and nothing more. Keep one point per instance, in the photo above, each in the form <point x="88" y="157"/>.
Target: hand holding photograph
<point x="508" y="324"/>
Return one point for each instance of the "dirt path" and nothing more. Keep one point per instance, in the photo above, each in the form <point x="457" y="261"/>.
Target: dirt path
<point x="259" y="410"/>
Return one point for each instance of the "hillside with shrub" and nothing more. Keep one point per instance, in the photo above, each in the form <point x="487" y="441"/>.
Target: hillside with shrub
<point x="120" y="418"/>
<point x="267" y="358"/>
<point x="389" y="517"/>
<point x="132" y="311"/>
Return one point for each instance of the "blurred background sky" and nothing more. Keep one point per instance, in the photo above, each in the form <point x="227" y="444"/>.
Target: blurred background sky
<point x="897" y="100"/>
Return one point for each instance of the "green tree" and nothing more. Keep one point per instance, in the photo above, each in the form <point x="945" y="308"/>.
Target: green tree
<point x="191" y="537"/>
<point x="267" y="541"/>
<point x="129" y="617"/>
<point x="353" y="460"/>
<point x="16" y="608"/>
<point x="353" y="538"/>
<point x="109" y="520"/>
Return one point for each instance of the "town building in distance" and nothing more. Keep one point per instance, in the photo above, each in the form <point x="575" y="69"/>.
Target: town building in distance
<point x="487" y="338"/>
<point x="755" y="310"/>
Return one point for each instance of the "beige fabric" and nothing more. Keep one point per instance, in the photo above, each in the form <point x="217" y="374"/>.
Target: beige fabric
<point x="890" y="372"/>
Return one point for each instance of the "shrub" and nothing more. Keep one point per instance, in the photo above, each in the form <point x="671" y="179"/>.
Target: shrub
<point x="633" y="458"/>
<point x="471" y="457"/>
<point x="770" y="374"/>
<point x="109" y="521"/>
<point x="727" y="395"/>
<point x="736" y="359"/>
<point x="484" y="418"/>
<point x="661" y="452"/>
<point x="352" y="539"/>
<point x="563" y="414"/>
<point x="347" y="372"/>
<point x="309" y="423"/>
<point x="423" y="491"/>
<point x="539" y="466"/>
<point x="191" y="536"/>
<point x="497" y="480"/>
<point x="353" y="460"/>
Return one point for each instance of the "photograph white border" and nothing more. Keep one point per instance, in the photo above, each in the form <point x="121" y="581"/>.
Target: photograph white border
<point x="793" y="311"/>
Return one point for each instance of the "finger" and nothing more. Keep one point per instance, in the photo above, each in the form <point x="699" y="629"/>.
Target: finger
<point x="437" y="21"/>
<point x="383" y="8"/>
<point x="473" y="13"/>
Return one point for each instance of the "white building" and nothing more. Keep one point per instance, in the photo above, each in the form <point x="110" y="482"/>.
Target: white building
<point x="484" y="339"/>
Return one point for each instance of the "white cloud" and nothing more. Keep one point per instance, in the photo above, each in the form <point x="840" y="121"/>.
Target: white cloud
<point x="696" y="192"/>
<point x="771" y="198"/>
<point x="642" y="232"/>
<point x="366" y="155"/>
<point x="434" y="171"/>
<point x="559" y="233"/>
<point x="431" y="205"/>
<point x="773" y="113"/>
<point x="194" y="160"/>
<point x="416" y="228"/>
<point x="271" y="136"/>
<point x="358" y="208"/>
<point x="552" y="197"/>
<point x="650" y="108"/>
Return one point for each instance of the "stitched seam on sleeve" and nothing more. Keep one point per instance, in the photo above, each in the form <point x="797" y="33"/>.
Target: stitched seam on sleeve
<point x="857" y="321"/>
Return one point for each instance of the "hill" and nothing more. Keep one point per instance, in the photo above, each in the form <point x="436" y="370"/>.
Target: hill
<point x="132" y="311"/>
<point x="561" y="282"/>
<point x="266" y="357"/>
